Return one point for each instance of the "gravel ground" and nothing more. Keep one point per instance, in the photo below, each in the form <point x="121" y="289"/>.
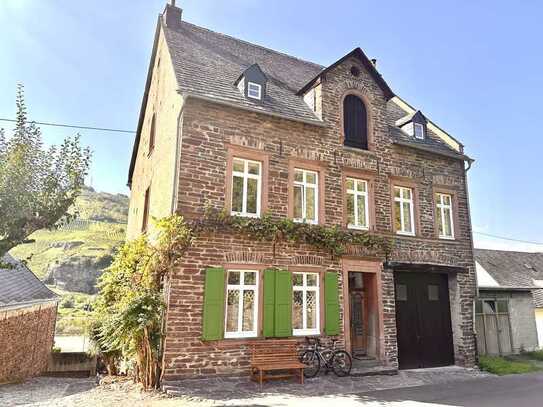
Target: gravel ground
<point x="322" y="391"/>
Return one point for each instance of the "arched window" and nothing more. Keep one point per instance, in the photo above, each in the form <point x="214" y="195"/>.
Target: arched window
<point x="355" y="122"/>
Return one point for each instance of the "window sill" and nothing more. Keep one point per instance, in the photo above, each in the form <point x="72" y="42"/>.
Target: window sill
<point x="408" y="234"/>
<point x="359" y="150"/>
<point x="245" y="215"/>
<point x="309" y="222"/>
<point x="361" y="228"/>
<point x="305" y="332"/>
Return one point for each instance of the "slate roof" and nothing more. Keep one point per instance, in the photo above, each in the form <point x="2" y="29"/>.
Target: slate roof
<point x="514" y="269"/>
<point x="19" y="286"/>
<point x="208" y="64"/>
<point x="430" y="143"/>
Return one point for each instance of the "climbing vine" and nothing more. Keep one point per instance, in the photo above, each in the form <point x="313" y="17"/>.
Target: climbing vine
<point x="267" y="228"/>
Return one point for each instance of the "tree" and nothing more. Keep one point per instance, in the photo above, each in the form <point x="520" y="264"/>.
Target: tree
<point x="37" y="184"/>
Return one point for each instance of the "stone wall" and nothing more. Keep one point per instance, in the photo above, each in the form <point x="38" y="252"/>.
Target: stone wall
<point x="26" y="341"/>
<point x="210" y="130"/>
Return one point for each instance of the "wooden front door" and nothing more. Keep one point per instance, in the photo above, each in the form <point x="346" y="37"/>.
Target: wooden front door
<point x="423" y="320"/>
<point x="358" y="323"/>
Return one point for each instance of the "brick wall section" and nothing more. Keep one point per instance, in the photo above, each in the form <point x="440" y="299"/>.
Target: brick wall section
<point x="209" y="128"/>
<point x="26" y="340"/>
<point x="158" y="168"/>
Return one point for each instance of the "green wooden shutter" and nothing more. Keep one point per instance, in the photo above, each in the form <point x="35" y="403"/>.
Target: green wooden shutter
<point x="268" y="319"/>
<point x="214" y="304"/>
<point x="331" y="300"/>
<point x="283" y="303"/>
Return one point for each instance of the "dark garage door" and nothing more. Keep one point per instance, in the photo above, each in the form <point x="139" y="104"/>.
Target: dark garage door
<point x="423" y="320"/>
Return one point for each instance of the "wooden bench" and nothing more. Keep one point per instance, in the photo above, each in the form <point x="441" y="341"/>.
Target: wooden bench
<point x="275" y="356"/>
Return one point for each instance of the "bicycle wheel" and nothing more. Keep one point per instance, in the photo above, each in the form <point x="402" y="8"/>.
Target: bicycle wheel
<point x="341" y="363"/>
<point x="313" y="363"/>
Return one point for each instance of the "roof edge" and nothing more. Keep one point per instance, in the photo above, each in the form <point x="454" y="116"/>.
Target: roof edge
<point x="144" y="102"/>
<point x="457" y="156"/>
<point x="187" y="95"/>
<point x="358" y="53"/>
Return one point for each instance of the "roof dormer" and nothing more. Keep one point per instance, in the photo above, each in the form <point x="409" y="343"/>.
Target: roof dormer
<point x="414" y="125"/>
<point x="252" y="83"/>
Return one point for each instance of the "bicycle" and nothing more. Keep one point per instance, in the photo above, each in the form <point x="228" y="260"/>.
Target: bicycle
<point x="337" y="360"/>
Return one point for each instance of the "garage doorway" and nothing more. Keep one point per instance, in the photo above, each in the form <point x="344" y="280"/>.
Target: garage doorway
<point x="493" y="327"/>
<point x="423" y="320"/>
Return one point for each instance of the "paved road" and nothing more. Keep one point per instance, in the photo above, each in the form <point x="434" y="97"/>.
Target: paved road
<point x="506" y="391"/>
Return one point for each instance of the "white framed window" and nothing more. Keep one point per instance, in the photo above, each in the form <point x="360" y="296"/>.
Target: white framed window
<point x="404" y="218"/>
<point x="241" y="314"/>
<point x="419" y="131"/>
<point x="357" y="203"/>
<point x="444" y="212"/>
<point x="246" y="187"/>
<point x="306" y="192"/>
<point x="305" y="304"/>
<point x="254" y="90"/>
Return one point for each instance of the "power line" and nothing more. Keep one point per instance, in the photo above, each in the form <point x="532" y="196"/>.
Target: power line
<point x="74" y="126"/>
<point x="508" y="238"/>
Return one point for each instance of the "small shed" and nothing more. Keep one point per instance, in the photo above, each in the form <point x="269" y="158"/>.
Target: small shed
<point x="28" y="311"/>
<point x="505" y="309"/>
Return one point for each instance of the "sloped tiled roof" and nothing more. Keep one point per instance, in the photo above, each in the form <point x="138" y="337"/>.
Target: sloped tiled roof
<point x="514" y="269"/>
<point x="19" y="286"/>
<point x="208" y="64"/>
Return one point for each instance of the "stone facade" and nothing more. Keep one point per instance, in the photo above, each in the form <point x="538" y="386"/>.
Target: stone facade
<point x="212" y="132"/>
<point x="26" y="340"/>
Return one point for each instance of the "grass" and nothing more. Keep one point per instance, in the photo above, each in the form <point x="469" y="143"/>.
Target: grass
<point x="73" y="315"/>
<point x="504" y="366"/>
<point x="536" y="355"/>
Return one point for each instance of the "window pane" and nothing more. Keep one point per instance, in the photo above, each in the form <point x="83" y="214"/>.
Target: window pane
<point x="297" y="309"/>
<point x="478" y="307"/>
<point x="248" y="309"/>
<point x="249" y="278"/>
<point x="502" y="306"/>
<point x="237" y="194"/>
<point x="252" y="195"/>
<point x="361" y="211"/>
<point x="397" y="192"/>
<point x="350" y="183"/>
<point x="401" y="292"/>
<point x="407" y="217"/>
<point x="311" y="177"/>
<point x="233" y="277"/>
<point x="310" y="204"/>
<point x="298" y="176"/>
<point x="407" y="193"/>
<point x="397" y="216"/>
<point x="254" y="168"/>
<point x="297" y="279"/>
<point x="361" y="186"/>
<point x="446" y="199"/>
<point x="448" y="229"/>
<point x="312" y="280"/>
<point x="350" y="209"/>
<point x="298" y="202"/>
<point x="238" y="165"/>
<point x="489" y="307"/>
<point x="433" y="293"/>
<point x="440" y="221"/>
<point x="311" y="308"/>
<point x="232" y="307"/>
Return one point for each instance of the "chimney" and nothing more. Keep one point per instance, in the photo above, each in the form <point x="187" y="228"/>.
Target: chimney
<point x="374" y="62"/>
<point x="172" y="15"/>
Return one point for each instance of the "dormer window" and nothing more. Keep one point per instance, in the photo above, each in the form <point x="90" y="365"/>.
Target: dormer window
<point x="419" y="131"/>
<point x="414" y="125"/>
<point x="252" y="83"/>
<point x="254" y="90"/>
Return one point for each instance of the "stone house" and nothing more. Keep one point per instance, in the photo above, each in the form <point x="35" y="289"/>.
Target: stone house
<point x="236" y="126"/>
<point x="509" y="307"/>
<point x="28" y="311"/>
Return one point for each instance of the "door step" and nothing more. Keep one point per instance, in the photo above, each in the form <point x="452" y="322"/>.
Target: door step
<point x="378" y="370"/>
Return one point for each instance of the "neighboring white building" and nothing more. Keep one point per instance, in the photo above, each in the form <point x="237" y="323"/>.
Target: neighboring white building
<point x="509" y="307"/>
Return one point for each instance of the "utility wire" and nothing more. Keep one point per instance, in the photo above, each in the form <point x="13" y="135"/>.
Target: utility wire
<point x="508" y="238"/>
<point x="73" y="126"/>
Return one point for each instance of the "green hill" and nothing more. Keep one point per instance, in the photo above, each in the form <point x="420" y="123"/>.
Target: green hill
<point x="71" y="258"/>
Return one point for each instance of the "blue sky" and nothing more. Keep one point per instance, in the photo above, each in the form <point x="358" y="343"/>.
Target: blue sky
<point x="474" y="67"/>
